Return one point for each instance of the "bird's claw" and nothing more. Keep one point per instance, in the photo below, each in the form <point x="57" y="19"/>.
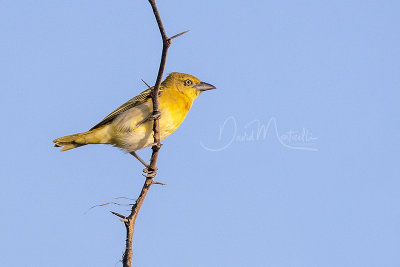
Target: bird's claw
<point x="149" y="173"/>
<point x="156" y="115"/>
<point x="157" y="145"/>
<point x="153" y="116"/>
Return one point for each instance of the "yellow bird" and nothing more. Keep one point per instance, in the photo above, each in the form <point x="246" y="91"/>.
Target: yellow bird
<point x="130" y="127"/>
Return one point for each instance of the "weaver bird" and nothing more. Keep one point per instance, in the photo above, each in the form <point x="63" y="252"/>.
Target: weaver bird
<point x="130" y="127"/>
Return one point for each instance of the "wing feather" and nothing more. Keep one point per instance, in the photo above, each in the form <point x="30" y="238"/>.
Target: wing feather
<point x="137" y="100"/>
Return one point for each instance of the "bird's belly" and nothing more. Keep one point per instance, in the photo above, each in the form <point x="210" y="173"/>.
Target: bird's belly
<point x="139" y="137"/>
<point x="134" y="140"/>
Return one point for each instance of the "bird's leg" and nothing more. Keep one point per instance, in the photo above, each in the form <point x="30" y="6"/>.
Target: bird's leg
<point x="151" y="117"/>
<point x="133" y="153"/>
<point x="150" y="173"/>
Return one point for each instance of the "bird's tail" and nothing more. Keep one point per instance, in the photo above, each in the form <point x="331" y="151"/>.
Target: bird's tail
<point x="96" y="136"/>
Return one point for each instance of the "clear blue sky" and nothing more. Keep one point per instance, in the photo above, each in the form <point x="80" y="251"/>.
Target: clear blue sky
<point x="292" y="162"/>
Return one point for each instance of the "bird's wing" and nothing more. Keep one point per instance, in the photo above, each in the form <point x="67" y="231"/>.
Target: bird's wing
<point x="137" y="100"/>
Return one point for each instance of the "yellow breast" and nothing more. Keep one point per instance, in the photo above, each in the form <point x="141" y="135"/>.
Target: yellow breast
<point x="174" y="107"/>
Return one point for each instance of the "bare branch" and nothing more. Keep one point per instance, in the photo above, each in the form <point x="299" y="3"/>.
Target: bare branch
<point x="151" y="169"/>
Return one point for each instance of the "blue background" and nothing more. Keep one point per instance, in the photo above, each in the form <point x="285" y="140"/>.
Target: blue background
<point x="330" y="67"/>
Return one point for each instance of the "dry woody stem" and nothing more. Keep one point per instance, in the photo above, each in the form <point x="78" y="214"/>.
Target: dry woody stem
<point x="151" y="169"/>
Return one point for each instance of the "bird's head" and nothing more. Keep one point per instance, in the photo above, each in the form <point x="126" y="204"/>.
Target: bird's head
<point x="187" y="84"/>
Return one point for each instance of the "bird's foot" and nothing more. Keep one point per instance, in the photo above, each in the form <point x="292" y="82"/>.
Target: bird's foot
<point x="156" y="145"/>
<point x="149" y="172"/>
<point x="156" y="115"/>
<point x="153" y="116"/>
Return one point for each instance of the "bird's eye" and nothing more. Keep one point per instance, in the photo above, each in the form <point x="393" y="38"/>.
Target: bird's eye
<point x="188" y="82"/>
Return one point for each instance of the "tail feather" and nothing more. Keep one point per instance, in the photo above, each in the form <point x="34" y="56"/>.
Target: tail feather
<point x="96" y="136"/>
<point x="71" y="141"/>
<point x="67" y="146"/>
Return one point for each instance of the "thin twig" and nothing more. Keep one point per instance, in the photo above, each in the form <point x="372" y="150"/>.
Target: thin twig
<point x="105" y="204"/>
<point x="151" y="169"/>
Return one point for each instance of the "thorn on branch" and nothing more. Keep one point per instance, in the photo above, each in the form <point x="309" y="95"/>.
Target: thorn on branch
<point x="118" y="215"/>
<point x="155" y="182"/>
<point x="177" y="35"/>
<point x="148" y="86"/>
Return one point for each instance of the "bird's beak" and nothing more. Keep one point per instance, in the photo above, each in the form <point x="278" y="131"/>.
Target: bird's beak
<point x="204" y="86"/>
